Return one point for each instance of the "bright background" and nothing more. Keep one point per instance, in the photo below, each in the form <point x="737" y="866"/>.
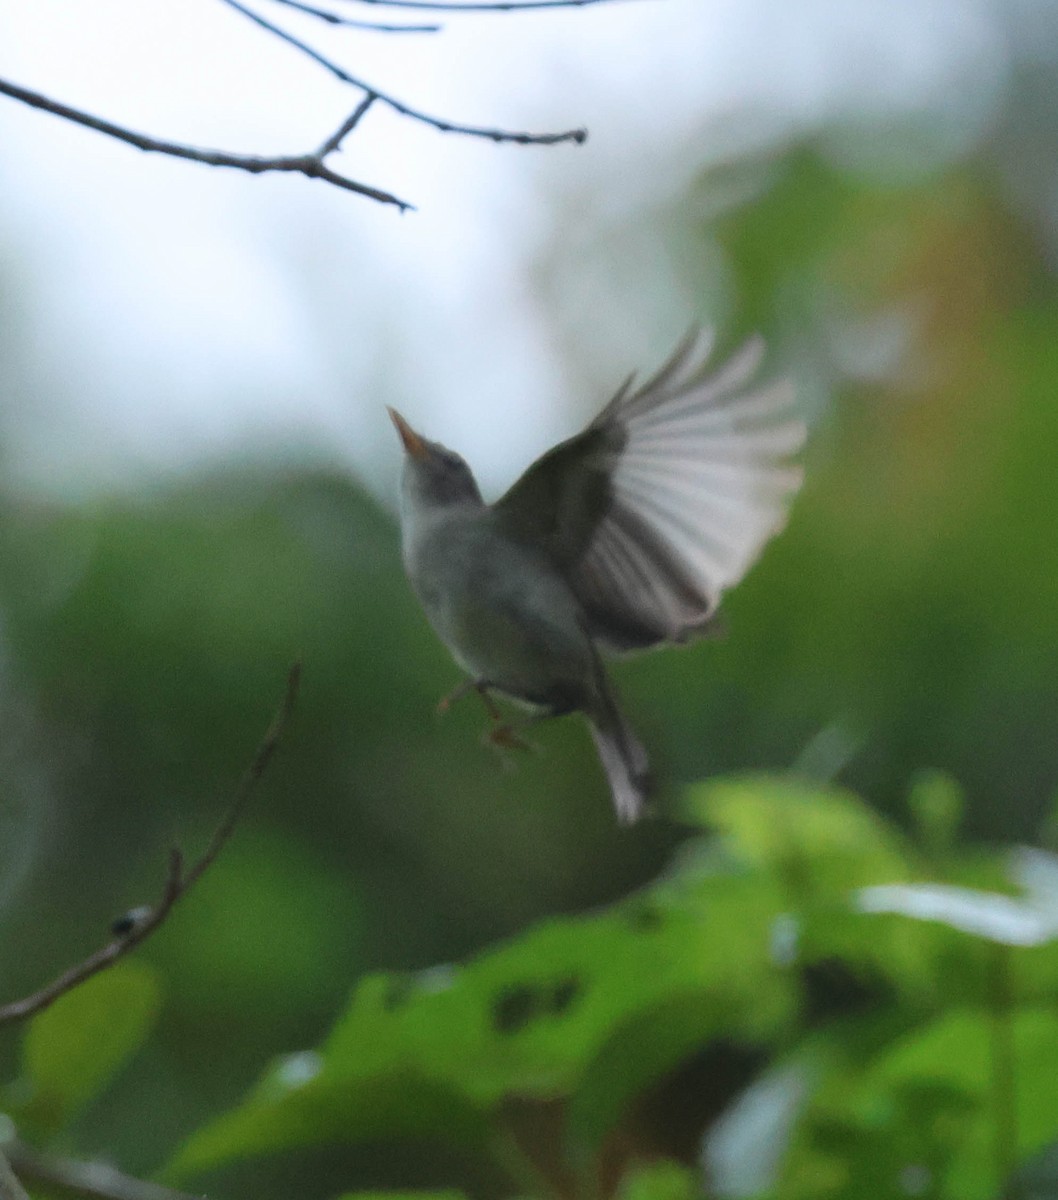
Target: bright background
<point x="199" y="478"/>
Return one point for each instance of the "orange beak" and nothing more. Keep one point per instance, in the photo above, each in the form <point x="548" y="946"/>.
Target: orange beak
<point x="413" y="444"/>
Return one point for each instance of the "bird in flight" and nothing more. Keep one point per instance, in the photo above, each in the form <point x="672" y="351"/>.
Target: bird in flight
<point x="621" y="538"/>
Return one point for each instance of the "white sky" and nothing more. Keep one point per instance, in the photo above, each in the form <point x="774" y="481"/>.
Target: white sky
<point x="171" y="313"/>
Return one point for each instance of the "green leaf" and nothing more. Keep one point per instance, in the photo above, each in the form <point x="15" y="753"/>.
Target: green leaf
<point x="936" y="803"/>
<point x="816" y="844"/>
<point x="927" y="1105"/>
<point x="529" y="1017"/>
<point x="660" y="1181"/>
<point x="637" y="1054"/>
<point x="436" y="1053"/>
<point x="820" y="842"/>
<point x="72" y="1049"/>
<point x="289" y="1112"/>
<point x="957" y="1053"/>
<point x="720" y="934"/>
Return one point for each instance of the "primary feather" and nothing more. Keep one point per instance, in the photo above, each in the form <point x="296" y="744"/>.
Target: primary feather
<point x="667" y="498"/>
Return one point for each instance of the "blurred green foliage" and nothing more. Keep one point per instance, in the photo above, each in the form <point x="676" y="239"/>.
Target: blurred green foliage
<point x="543" y="1004"/>
<point x="73" y="1048"/>
<point x="533" y="1063"/>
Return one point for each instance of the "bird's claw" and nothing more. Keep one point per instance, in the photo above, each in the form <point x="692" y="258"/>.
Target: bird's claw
<point x="464" y="689"/>
<point x="505" y="737"/>
<point x="457" y="693"/>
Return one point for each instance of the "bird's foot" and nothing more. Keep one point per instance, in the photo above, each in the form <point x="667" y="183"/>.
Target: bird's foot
<point x="504" y="736"/>
<point x="450" y="698"/>
<point x="464" y="689"/>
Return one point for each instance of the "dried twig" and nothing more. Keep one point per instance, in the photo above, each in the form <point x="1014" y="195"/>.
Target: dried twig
<point x="310" y="165"/>
<point x="405" y="110"/>
<point x="333" y="18"/>
<point x="98" y="1181"/>
<point x="177" y="884"/>
<point x="480" y="6"/>
<point x="314" y="166"/>
<point x="346" y="127"/>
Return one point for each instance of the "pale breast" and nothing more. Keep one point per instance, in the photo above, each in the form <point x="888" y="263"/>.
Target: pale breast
<point x="505" y="613"/>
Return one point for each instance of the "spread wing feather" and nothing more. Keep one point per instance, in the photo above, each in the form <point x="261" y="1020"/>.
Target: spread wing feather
<point x="667" y="498"/>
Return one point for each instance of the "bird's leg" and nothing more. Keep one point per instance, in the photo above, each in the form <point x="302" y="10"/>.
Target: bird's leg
<point x="457" y="693"/>
<point x="495" y="716"/>
<point x="464" y="689"/>
<point x="482" y="689"/>
<point x="504" y="734"/>
<point x="507" y="735"/>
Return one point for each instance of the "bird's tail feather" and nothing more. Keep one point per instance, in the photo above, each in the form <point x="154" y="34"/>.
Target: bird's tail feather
<point x="623" y="759"/>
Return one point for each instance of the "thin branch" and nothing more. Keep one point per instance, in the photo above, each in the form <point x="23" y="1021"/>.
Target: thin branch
<point x="405" y="110"/>
<point x="333" y="18"/>
<point x="96" y="1180"/>
<point x="480" y="6"/>
<point x="334" y="142"/>
<point x="310" y="165"/>
<point x="10" y="1188"/>
<point x="141" y="924"/>
<point x="249" y="780"/>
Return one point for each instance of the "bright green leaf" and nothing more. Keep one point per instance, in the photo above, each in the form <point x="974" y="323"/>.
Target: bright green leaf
<point x="660" y="1181"/>
<point x="433" y="1053"/>
<point x="924" y="1109"/>
<point x="329" y="1111"/>
<point x="819" y="842"/>
<point x="936" y="802"/>
<point x="73" y="1048"/>
<point x="636" y="1055"/>
<point x="447" y="1194"/>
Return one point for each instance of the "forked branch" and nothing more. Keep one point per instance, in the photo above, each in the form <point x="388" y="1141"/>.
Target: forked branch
<point x="130" y="931"/>
<point x="315" y="165"/>
<point x="398" y="105"/>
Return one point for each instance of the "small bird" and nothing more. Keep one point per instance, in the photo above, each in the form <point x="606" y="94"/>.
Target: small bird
<point x="622" y="538"/>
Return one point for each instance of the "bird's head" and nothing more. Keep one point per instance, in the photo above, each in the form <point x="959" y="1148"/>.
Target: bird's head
<point x="433" y="474"/>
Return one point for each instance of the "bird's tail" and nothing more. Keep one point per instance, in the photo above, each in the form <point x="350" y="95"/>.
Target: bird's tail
<point x="623" y="759"/>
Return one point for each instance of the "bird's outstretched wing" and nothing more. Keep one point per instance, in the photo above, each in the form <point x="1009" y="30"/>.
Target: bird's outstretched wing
<point x="667" y="498"/>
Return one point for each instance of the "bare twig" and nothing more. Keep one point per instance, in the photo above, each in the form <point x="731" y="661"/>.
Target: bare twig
<point x="314" y="166"/>
<point x="405" y="110"/>
<point x="310" y="165"/>
<point x="253" y="773"/>
<point x="334" y="142"/>
<point x="333" y="18"/>
<point x="479" y="6"/>
<point x="96" y="1180"/>
<point x="178" y="882"/>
